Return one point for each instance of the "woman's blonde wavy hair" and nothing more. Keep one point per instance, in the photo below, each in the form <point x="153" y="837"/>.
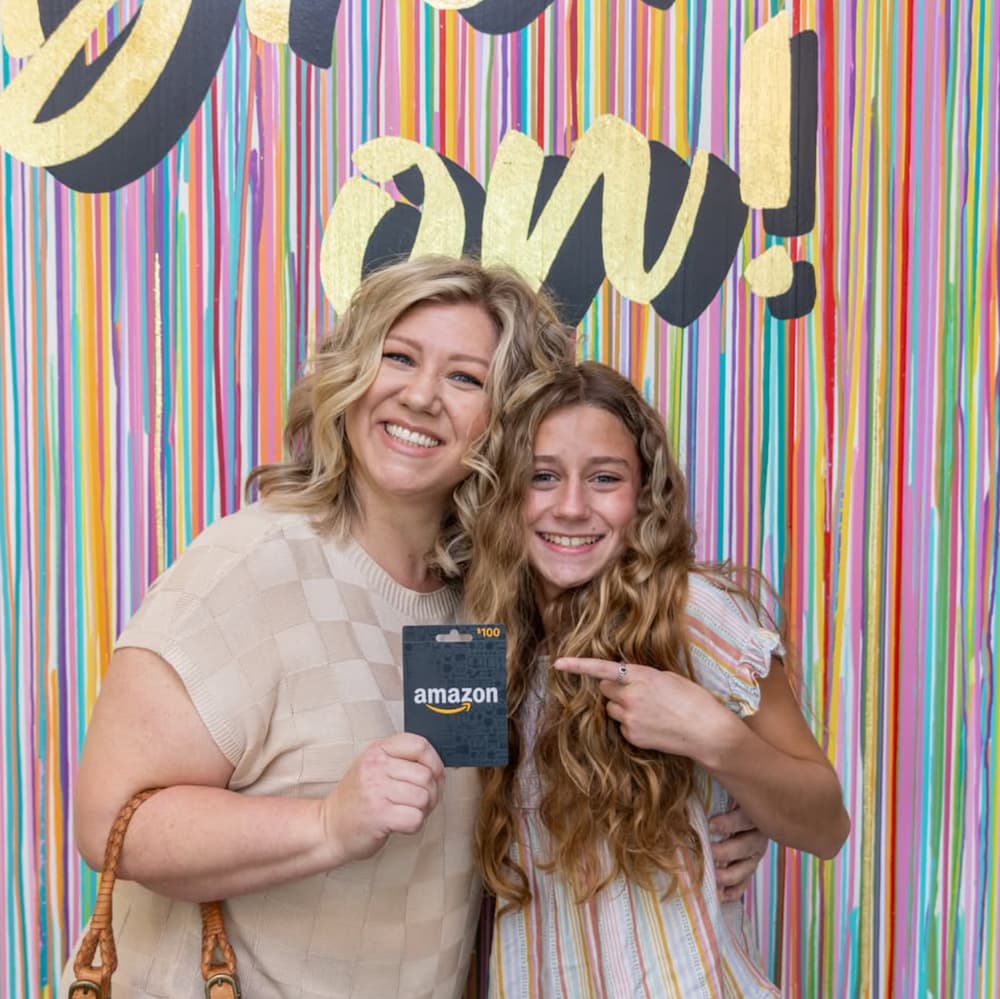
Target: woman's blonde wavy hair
<point x="315" y="478"/>
<point x="609" y="806"/>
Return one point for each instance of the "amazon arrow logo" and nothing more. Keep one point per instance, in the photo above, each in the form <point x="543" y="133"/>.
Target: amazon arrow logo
<point x="464" y="706"/>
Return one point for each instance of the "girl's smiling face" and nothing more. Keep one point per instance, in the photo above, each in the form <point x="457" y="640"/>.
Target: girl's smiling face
<point x="582" y="496"/>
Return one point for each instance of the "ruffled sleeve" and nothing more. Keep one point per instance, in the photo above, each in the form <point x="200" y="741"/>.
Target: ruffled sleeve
<point x="730" y="650"/>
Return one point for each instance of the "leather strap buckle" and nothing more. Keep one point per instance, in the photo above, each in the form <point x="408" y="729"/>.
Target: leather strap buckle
<point x="222" y="986"/>
<point x="82" y="989"/>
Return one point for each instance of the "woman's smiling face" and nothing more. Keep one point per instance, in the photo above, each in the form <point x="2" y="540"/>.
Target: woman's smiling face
<point x="582" y="496"/>
<point x="411" y="428"/>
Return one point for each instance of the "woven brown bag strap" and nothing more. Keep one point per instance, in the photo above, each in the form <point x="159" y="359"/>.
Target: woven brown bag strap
<point x="220" y="977"/>
<point x="95" y="982"/>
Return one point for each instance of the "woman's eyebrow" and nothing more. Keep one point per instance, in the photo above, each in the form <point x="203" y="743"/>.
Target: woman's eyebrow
<point x="414" y="345"/>
<point x="470" y="358"/>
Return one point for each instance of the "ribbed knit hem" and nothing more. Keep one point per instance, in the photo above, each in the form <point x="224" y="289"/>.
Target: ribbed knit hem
<point x="436" y="607"/>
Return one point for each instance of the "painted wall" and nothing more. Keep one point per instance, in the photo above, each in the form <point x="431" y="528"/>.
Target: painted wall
<point x="178" y="214"/>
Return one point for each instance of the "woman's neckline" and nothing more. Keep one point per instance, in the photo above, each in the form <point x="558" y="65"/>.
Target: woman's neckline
<point x="431" y="606"/>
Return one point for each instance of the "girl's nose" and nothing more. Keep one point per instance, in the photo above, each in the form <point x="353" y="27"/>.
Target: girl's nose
<point x="571" y="501"/>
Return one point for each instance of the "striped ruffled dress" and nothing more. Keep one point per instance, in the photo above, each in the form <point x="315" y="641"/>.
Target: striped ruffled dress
<point x="628" y="941"/>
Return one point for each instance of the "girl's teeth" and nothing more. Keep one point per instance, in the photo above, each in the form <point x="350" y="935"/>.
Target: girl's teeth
<point x="410" y="436"/>
<point x="565" y="541"/>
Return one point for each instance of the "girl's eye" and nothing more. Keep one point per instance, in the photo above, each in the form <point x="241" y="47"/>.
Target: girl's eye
<point x="464" y="378"/>
<point x="543" y="478"/>
<point x="606" y="479"/>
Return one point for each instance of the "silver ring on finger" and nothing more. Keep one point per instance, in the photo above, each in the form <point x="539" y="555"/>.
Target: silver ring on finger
<point x="622" y="677"/>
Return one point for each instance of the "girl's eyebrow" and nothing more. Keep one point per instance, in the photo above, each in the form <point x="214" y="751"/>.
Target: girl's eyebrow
<point x="600" y="459"/>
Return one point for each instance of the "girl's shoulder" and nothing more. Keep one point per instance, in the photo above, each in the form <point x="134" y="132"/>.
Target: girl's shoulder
<point x="730" y="646"/>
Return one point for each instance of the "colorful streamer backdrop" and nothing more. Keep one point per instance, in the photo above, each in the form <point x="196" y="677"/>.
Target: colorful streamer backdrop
<point x="150" y="337"/>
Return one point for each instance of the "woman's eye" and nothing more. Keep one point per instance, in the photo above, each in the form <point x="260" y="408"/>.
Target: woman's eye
<point x="465" y="378"/>
<point x="398" y="356"/>
<point x="542" y="478"/>
<point x="606" y="479"/>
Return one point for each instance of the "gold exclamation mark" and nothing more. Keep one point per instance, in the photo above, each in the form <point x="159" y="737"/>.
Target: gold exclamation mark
<point x="765" y="142"/>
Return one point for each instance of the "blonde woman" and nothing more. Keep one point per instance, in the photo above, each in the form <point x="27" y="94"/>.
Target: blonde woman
<point x="259" y="681"/>
<point x="595" y="838"/>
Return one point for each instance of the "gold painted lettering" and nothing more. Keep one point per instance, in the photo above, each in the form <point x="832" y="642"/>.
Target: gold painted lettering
<point x="269" y="19"/>
<point x="21" y="28"/>
<point x="112" y="100"/>
<point x="770" y="274"/>
<point x="766" y="115"/>
<point x="361" y="205"/>
<point x="611" y="149"/>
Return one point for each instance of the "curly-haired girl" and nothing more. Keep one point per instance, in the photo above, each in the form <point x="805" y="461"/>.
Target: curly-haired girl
<point x="594" y="838"/>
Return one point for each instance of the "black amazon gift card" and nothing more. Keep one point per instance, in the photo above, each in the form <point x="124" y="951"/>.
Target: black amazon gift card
<point x="455" y="691"/>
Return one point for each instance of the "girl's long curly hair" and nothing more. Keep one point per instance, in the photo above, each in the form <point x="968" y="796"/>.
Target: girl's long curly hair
<point x="609" y="806"/>
<point x="316" y="476"/>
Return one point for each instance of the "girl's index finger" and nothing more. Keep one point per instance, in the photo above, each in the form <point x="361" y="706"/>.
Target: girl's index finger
<point x="602" y="669"/>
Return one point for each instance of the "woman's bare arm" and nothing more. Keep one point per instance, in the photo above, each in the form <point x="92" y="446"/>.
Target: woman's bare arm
<point x="196" y="839"/>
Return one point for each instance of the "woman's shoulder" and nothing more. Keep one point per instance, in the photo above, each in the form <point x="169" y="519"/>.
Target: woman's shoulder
<point x="252" y="548"/>
<point x="227" y="616"/>
<point x="244" y="530"/>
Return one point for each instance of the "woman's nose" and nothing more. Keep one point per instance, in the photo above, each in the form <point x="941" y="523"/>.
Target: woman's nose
<point x="421" y="392"/>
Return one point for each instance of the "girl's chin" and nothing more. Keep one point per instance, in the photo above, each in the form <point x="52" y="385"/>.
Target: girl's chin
<point x="556" y="586"/>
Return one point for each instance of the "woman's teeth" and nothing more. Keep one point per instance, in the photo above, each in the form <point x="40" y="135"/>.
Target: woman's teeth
<point x="410" y="436"/>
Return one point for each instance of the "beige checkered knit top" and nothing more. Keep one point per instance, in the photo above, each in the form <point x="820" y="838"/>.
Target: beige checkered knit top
<point x="289" y="644"/>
